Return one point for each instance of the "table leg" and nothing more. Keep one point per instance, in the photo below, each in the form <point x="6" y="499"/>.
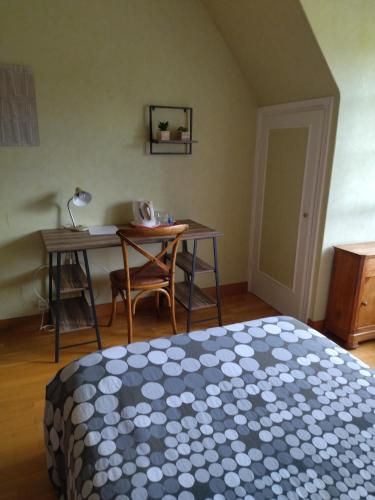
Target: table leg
<point x="185" y="250"/>
<point x="76" y="258"/>
<point x="191" y="286"/>
<point x="57" y="306"/>
<point x="50" y="264"/>
<point x="217" y="281"/>
<point x="92" y="300"/>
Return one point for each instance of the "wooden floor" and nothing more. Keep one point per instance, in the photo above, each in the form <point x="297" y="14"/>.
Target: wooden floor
<point x="26" y="366"/>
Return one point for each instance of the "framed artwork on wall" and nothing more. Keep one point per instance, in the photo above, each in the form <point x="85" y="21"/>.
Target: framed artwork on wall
<point x="18" y="117"/>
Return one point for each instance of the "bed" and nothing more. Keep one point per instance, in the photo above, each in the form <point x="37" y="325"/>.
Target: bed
<point x="268" y="408"/>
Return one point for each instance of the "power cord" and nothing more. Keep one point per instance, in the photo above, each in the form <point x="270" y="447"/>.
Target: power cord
<point x="43" y="304"/>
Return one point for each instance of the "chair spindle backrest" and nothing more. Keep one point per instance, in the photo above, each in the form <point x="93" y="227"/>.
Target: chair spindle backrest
<point x="170" y="234"/>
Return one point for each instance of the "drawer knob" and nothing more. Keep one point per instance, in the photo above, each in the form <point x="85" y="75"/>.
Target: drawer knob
<point x="364" y="302"/>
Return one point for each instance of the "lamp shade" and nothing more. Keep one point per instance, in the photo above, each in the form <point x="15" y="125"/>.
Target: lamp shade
<point x="81" y="197"/>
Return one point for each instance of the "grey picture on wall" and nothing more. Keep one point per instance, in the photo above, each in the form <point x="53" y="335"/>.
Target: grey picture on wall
<point x="18" y="118"/>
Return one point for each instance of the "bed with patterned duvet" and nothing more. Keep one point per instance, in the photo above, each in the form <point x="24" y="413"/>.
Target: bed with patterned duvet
<point x="268" y="408"/>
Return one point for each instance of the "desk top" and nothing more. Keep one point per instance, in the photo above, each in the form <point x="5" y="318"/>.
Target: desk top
<point x="65" y="240"/>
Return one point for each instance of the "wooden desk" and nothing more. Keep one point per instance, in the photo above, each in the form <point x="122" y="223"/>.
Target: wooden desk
<point x="75" y="313"/>
<point x="65" y="240"/>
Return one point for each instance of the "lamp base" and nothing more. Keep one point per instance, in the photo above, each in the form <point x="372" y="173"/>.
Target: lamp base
<point x="76" y="228"/>
<point x="79" y="228"/>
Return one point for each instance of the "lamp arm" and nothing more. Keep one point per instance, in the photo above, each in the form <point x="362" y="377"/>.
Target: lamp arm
<point x="70" y="212"/>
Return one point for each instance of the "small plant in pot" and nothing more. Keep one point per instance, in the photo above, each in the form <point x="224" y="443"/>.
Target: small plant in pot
<point x="183" y="134"/>
<point x="164" y="134"/>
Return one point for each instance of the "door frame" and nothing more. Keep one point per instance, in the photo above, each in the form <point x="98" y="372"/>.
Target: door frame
<point x="326" y="105"/>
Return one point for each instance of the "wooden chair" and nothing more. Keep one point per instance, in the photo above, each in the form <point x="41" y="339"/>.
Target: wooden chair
<point x="156" y="275"/>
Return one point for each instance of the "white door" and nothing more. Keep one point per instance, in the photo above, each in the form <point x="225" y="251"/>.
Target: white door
<point x="291" y="154"/>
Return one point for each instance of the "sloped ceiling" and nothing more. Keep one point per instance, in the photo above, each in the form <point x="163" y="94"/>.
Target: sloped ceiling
<point x="275" y="48"/>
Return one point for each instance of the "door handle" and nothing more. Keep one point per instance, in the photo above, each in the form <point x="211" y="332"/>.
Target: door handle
<point x="364" y="303"/>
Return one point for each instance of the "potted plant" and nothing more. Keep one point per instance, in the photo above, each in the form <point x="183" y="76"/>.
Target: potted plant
<point x="164" y="134"/>
<point x="183" y="134"/>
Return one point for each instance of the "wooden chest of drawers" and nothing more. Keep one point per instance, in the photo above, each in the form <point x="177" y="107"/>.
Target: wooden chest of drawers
<point x="351" y="304"/>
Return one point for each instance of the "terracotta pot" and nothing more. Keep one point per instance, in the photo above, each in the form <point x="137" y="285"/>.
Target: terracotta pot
<point x="183" y="136"/>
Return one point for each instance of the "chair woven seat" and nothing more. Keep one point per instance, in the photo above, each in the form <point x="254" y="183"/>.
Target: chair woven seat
<point x="153" y="275"/>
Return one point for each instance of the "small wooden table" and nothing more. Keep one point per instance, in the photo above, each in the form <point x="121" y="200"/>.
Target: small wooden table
<point x="74" y="313"/>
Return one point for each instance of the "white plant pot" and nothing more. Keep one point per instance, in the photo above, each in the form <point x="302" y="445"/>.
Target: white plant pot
<point x="164" y="135"/>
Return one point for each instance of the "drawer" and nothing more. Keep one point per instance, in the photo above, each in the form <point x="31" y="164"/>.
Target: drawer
<point x="369" y="269"/>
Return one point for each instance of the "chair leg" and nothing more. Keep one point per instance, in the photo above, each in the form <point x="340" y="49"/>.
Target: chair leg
<point x="173" y="309"/>
<point x="157" y="303"/>
<point x="129" y="316"/>
<point x="114" y="306"/>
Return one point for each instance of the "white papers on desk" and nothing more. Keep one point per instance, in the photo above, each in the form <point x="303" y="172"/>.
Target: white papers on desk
<point x="102" y="230"/>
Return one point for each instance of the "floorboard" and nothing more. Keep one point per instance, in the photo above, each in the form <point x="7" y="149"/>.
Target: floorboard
<point x="26" y="365"/>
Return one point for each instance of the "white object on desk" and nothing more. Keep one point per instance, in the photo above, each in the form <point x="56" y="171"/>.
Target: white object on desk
<point x="102" y="230"/>
<point x="143" y="211"/>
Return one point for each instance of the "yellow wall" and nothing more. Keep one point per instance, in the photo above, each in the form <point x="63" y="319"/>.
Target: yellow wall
<point x="97" y="65"/>
<point x="275" y="48"/>
<point x="345" y="31"/>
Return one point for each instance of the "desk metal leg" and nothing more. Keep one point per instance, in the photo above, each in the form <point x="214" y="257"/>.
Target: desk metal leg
<point x="50" y="264"/>
<point x="185" y="250"/>
<point x="57" y="306"/>
<point x="217" y="281"/>
<point x="92" y="300"/>
<point x="191" y="286"/>
<point x="76" y="258"/>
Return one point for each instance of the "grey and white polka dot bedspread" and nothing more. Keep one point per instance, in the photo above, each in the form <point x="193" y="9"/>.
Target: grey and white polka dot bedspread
<point x="263" y="409"/>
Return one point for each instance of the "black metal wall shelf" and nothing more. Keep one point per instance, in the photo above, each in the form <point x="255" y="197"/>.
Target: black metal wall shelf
<point x="187" y="144"/>
<point x="160" y="141"/>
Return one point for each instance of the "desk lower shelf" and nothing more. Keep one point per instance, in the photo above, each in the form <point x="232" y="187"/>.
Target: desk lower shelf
<point x="73" y="279"/>
<point x="184" y="261"/>
<point x="200" y="300"/>
<point x="75" y="314"/>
